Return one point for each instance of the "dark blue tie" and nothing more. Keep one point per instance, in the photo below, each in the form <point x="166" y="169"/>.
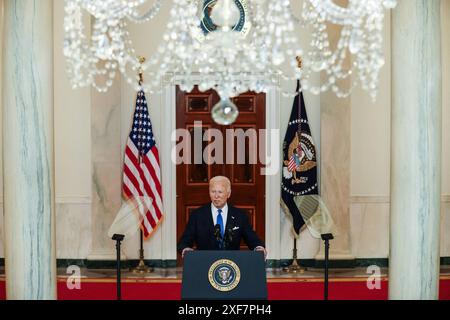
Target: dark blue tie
<point x="220" y="222"/>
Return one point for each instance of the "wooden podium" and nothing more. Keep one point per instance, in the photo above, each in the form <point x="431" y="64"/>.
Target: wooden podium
<point x="224" y="275"/>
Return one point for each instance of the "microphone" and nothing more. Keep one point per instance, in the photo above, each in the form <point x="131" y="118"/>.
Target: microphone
<point x="217" y="232"/>
<point x="218" y="236"/>
<point x="228" y="236"/>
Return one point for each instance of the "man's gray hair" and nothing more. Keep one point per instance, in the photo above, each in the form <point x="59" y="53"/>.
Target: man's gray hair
<point x="221" y="179"/>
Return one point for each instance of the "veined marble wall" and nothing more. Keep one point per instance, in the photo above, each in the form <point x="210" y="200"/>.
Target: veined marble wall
<point x="72" y="155"/>
<point x="370" y="162"/>
<point x="106" y="170"/>
<point x="369" y="227"/>
<point x="90" y="149"/>
<point x="445" y="227"/>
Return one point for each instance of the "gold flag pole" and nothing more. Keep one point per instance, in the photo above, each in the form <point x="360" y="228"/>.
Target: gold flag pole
<point x="141" y="268"/>
<point x="294" y="267"/>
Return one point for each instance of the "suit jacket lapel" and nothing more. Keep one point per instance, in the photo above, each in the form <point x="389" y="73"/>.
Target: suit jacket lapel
<point x="208" y="217"/>
<point x="210" y="224"/>
<point x="230" y="219"/>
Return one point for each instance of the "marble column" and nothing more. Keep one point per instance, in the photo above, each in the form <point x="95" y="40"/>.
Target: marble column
<point x="415" y="150"/>
<point x="28" y="168"/>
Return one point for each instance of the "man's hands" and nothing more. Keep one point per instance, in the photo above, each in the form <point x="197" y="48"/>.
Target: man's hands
<point x="185" y="250"/>
<point x="259" y="248"/>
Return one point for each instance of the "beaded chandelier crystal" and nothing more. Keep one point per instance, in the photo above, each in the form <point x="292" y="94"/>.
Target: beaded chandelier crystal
<point x="247" y="48"/>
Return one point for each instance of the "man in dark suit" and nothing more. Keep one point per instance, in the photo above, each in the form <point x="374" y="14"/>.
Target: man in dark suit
<point x="218" y="226"/>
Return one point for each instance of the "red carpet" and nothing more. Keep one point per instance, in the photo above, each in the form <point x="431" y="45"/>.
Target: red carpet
<point x="278" y="289"/>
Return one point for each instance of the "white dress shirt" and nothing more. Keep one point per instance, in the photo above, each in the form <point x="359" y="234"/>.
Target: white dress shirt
<point x="214" y="212"/>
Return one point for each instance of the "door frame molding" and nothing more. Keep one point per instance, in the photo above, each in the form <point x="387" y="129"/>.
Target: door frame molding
<point x="169" y="176"/>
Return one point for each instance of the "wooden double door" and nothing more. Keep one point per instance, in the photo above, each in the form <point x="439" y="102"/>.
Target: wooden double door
<point x="242" y="165"/>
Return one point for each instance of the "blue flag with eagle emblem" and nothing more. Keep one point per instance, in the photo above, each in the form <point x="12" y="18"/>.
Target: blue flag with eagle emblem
<point x="299" y="176"/>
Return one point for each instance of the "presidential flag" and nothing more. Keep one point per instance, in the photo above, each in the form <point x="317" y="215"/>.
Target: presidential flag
<point x="299" y="161"/>
<point x="141" y="170"/>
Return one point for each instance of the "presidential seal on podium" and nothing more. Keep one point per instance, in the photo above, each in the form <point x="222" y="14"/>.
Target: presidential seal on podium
<point x="224" y="275"/>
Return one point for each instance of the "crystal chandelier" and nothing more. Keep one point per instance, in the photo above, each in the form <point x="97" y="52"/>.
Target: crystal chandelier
<point x="233" y="46"/>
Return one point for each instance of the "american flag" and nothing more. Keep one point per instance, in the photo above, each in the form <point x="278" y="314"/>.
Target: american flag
<point x="141" y="171"/>
<point x="292" y="165"/>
